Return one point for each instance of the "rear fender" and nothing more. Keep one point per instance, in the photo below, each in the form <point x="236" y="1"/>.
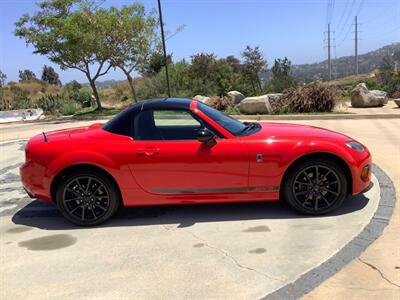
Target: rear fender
<point x="90" y="158"/>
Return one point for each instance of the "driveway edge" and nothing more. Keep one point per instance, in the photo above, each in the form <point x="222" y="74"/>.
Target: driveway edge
<point x="313" y="278"/>
<point x="316" y="117"/>
<point x="300" y="117"/>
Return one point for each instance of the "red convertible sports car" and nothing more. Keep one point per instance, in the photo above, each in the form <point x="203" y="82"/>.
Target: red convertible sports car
<point x="181" y="151"/>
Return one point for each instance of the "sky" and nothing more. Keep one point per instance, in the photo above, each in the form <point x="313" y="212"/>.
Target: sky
<point x="291" y="28"/>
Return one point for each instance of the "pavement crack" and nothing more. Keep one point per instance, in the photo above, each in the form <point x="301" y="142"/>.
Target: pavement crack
<point x="233" y="259"/>
<point x="379" y="271"/>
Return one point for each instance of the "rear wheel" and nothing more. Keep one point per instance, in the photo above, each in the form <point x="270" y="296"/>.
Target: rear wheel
<point x="315" y="186"/>
<point x="87" y="198"/>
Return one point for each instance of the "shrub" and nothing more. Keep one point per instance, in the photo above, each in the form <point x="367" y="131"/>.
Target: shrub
<point x="314" y="97"/>
<point x="51" y="103"/>
<point x="396" y="94"/>
<point x="68" y="109"/>
<point x="232" y="110"/>
<point x="120" y="91"/>
<point x="220" y="103"/>
<point x="393" y="86"/>
<point x="83" y="97"/>
<point x="20" y="99"/>
<point x="372" y="84"/>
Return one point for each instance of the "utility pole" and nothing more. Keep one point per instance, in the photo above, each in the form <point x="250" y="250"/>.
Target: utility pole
<point x="356" y="44"/>
<point x="329" y="52"/>
<point x="165" y="51"/>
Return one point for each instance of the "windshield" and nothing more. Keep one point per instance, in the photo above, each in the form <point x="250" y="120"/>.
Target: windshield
<point x="232" y="125"/>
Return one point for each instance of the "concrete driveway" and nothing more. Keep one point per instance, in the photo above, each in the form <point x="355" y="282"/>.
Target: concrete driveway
<point x="240" y="251"/>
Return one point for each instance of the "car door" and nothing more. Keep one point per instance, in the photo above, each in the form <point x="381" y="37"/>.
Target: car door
<point x="168" y="158"/>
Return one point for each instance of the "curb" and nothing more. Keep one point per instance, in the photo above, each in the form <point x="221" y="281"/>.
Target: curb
<point x="338" y="116"/>
<point x="373" y="230"/>
<point x="316" y="117"/>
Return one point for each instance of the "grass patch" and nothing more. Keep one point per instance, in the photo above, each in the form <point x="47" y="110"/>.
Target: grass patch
<point x="90" y="113"/>
<point x="68" y="109"/>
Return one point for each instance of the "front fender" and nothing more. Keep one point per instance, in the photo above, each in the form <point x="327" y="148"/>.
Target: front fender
<point x="354" y="160"/>
<point x="338" y="149"/>
<point x="280" y="154"/>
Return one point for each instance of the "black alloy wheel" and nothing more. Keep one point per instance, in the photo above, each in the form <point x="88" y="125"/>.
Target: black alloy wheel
<point x="315" y="187"/>
<point x="87" y="198"/>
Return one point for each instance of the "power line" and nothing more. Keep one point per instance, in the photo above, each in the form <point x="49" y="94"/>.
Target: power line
<point x="382" y="34"/>
<point x="346" y="19"/>
<point x="359" y="7"/>
<point x="329" y="10"/>
<point x="342" y="15"/>
<point x="391" y="13"/>
<point x="345" y="37"/>
<point x="349" y="29"/>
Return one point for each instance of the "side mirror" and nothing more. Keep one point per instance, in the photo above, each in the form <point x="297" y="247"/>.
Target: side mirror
<point x="206" y="136"/>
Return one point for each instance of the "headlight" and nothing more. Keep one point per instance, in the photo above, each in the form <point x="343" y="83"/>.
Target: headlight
<point x="355" y="146"/>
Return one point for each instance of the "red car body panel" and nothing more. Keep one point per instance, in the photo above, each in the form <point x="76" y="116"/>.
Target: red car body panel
<point x="187" y="171"/>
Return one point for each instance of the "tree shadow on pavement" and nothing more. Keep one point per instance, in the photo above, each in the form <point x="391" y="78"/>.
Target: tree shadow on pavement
<point x="45" y="216"/>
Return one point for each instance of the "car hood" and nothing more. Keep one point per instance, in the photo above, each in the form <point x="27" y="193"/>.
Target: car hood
<point x="285" y="131"/>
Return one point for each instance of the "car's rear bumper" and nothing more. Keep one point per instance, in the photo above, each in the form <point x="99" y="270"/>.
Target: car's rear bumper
<point x="34" y="181"/>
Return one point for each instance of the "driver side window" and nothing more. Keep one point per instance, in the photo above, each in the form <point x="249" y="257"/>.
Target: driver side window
<point x="165" y="125"/>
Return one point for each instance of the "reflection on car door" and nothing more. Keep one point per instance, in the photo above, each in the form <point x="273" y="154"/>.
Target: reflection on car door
<point x="168" y="159"/>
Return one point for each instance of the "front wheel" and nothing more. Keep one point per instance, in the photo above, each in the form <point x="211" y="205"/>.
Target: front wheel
<point x="315" y="186"/>
<point x="87" y="198"/>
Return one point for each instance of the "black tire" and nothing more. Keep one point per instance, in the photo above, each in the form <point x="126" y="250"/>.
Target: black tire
<point x="87" y="198"/>
<point x="309" y="195"/>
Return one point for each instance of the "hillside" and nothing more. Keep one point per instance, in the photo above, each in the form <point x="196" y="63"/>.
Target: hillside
<point x="104" y="83"/>
<point x="344" y="66"/>
<point x="341" y="67"/>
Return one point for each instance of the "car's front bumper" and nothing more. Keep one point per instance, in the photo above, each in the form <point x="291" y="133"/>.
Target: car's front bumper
<point x="361" y="172"/>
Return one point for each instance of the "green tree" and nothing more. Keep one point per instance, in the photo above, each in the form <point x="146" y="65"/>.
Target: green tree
<point x="235" y="63"/>
<point x="74" y="86"/>
<point x="388" y="77"/>
<point x="200" y="73"/>
<point x="133" y="37"/>
<point x="153" y="65"/>
<point x="254" y="65"/>
<point x="223" y="77"/>
<point x="83" y="97"/>
<point x="72" y="34"/>
<point x="209" y="75"/>
<point x="281" y="75"/>
<point x="26" y="75"/>
<point x="50" y="76"/>
<point x="3" y="78"/>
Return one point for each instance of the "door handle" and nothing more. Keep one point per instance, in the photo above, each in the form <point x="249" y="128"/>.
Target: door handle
<point x="149" y="151"/>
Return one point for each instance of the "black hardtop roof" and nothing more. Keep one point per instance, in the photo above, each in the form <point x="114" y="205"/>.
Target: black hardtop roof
<point x="119" y="123"/>
<point x="166" y="103"/>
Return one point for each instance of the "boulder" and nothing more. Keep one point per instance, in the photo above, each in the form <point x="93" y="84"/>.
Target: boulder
<point x="378" y="93"/>
<point x="236" y="96"/>
<point x="201" y="98"/>
<point x="397" y="101"/>
<point x="362" y="97"/>
<point x="255" y="105"/>
<point x="261" y="104"/>
<point x="274" y="97"/>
